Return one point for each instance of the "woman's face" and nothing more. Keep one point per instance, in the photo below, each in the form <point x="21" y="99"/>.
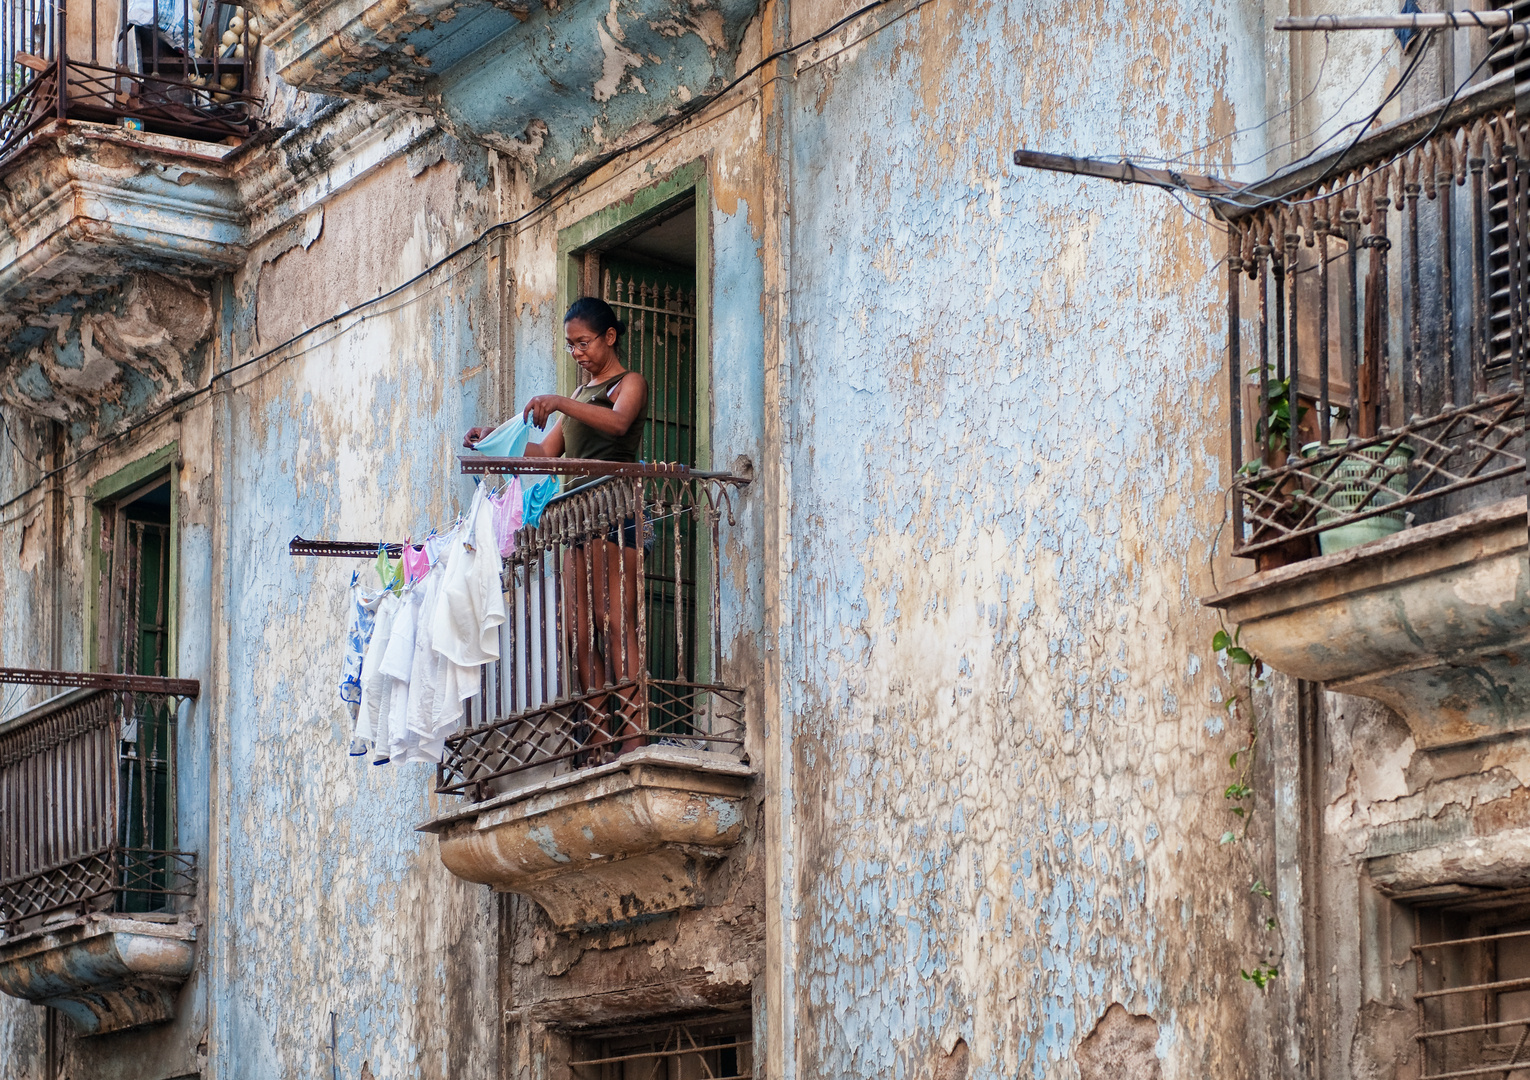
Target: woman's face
<point x="592" y="351"/>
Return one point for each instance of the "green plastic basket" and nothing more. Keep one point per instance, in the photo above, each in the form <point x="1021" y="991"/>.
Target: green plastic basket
<point x="1344" y="492"/>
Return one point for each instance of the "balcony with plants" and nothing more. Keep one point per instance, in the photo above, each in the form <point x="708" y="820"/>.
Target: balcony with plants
<point x="1376" y="350"/>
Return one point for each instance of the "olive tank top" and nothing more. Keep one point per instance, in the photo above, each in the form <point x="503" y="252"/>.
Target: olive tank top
<point x="582" y="441"/>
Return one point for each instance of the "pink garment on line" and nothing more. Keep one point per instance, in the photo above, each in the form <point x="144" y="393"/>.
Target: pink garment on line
<point x="415" y="564"/>
<point x="507" y="512"/>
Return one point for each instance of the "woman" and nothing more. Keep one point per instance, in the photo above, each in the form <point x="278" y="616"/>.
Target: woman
<point x="603" y="420"/>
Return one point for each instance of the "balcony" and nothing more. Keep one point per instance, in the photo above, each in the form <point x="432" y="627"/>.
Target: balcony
<point x="1376" y="356"/>
<point x="556" y="87"/>
<point x="91" y="886"/>
<point x="115" y="118"/>
<point x="604" y="757"/>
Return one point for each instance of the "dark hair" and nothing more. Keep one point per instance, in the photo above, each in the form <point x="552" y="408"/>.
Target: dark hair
<point x="596" y="314"/>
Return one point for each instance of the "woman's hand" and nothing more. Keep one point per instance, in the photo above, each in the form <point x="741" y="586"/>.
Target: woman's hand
<point x="474" y="434"/>
<point x="539" y="408"/>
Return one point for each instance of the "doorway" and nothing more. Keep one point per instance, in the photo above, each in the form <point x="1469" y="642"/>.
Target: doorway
<point x="647" y="272"/>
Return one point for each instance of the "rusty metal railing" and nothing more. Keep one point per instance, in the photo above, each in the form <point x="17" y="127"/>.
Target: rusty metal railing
<point x="613" y="639"/>
<point x="87" y="799"/>
<point x="1377" y="334"/>
<point x="177" y="67"/>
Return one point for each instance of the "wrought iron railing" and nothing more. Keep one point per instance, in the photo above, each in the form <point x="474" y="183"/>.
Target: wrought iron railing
<point x="613" y="639"/>
<point x="1377" y="309"/>
<point x="177" y="67"/>
<point x="87" y="801"/>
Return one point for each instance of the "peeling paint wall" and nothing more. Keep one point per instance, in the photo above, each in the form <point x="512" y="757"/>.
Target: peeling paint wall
<point x="984" y="410"/>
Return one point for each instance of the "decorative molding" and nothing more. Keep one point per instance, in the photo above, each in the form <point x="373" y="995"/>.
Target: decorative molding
<point x="105" y="972"/>
<point x="605" y="845"/>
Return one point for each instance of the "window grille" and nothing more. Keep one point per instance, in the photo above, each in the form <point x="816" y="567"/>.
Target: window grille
<point x="1473" y="996"/>
<point x="694" y="1050"/>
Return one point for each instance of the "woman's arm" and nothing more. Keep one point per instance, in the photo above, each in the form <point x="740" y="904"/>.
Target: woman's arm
<point x="631" y="393"/>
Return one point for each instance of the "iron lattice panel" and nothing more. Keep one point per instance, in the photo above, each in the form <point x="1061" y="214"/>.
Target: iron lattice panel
<point x="678" y="714"/>
<point x="1459" y="448"/>
<point x="95" y="882"/>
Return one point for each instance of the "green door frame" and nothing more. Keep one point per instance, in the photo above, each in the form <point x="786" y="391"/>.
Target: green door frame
<point x="608" y="228"/>
<point x="126" y="479"/>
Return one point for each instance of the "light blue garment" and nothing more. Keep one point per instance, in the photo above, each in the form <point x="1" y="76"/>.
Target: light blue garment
<point x="534" y="497"/>
<point x="509" y="439"/>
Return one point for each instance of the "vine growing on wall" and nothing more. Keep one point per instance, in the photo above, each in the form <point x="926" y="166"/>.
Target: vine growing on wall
<point x="1241" y="705"/>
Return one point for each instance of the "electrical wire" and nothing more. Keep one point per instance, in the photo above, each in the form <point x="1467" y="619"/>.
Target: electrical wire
<point x="1185" y="161"/>
<point x="492" y="231"/>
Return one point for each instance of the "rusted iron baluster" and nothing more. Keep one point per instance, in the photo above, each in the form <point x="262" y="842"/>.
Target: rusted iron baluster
<point x="1234" y="376"/>
<point x="1293" y="242"/>
<point x="619" y="649"/>
<point x="1511" y="204"/>
<point x="645" y="691"/>
<point x="1443" y="192"/>
<point x="1376" y="301"/>
<point x="1278" y="272"/>
<point x="1325" y="406"/>
<point x="1514" y="145"/>
<point x="1477" y="163"/>
<point x="1349" y="218"/>
<point x="1412" y="384"/>
<point x="61" y="49"/>
<point x="1262" y="426"/>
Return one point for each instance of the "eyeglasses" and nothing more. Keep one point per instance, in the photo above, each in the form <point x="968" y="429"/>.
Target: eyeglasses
<point x="579" y="346"/>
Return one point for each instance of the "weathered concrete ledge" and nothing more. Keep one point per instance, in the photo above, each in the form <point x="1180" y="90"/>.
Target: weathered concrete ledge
<point x="1434" y="622"/>
<point x="605" y="845"/>
<point x="105" y="972"/>
<point x="86" y="203"/>
<point x="558" y="87"/>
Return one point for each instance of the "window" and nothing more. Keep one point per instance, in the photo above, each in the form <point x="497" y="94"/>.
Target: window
<point x="1474" y="984"/>
<point x="707" y="1049"/>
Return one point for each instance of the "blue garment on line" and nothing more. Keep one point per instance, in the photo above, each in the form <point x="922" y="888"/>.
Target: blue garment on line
<point x="534" y="498"/>
<point x="509" y="439"/>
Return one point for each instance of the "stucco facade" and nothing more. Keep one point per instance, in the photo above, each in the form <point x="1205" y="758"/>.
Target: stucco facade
<point x="982" y="411"/>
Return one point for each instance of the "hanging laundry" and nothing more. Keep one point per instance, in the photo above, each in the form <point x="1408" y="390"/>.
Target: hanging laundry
<point x="509" y="439"/>
<point x="509" y="511"/>
<point x="390" y="573"/>
<point x="358" y="634"/>
<point x="465" y="626"/>
<point x="535" y="500"/>
<point x="416" y="563"/>
<point x="436" y="543"/>
<point x="375" y="686"/>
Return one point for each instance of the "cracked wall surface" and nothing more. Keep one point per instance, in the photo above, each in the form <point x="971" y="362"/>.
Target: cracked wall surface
<point x="984" y="409"/>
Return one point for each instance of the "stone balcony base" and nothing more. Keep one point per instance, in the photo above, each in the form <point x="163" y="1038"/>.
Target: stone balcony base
<point x="105" y="972"/>
<point x="607" y="844"/>
<point x="1433" y="622"/>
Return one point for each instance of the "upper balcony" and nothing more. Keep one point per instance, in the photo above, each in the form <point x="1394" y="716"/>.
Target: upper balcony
<point x="115" y="117"/>
<point x="91" y="884"/>
<point x="604" y="757"/>
<point x="558" y="87"/>
<point x="1376" y="355"/>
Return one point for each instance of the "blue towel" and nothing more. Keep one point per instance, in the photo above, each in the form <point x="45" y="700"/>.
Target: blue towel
<point x="534" y="498"/>
<point x="509" y="439"/>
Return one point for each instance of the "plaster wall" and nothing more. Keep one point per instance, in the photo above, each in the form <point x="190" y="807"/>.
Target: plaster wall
<point x="984" y="408"/>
